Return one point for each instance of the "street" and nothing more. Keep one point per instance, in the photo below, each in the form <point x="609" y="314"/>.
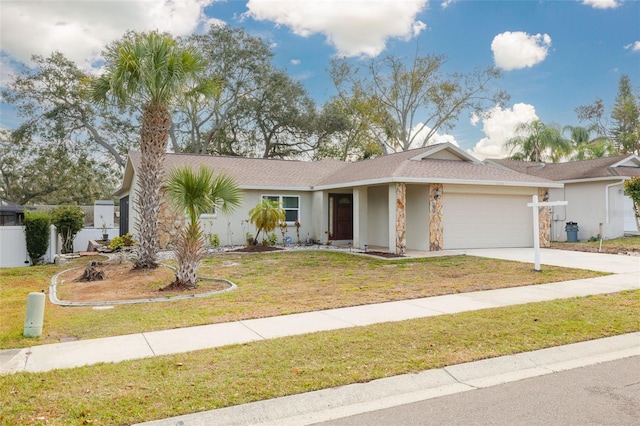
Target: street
<point x="602" y="394"/>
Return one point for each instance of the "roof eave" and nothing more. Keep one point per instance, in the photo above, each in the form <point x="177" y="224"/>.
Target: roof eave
<point x="597" y="179"/>
<point x="275" y="188"/>
<point x="477" y="182"/>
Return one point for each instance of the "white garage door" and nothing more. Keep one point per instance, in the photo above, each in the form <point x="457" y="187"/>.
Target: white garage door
<point x="487" y="221"/>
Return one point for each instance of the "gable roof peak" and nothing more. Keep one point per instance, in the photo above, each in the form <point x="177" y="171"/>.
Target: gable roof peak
<point x="432" y="151"/>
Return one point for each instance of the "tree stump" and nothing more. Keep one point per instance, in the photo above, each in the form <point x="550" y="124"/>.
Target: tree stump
<point x="91" y="273"/>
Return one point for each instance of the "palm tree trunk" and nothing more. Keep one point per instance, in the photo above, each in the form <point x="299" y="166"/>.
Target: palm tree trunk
<point x="156" y="124"/>
<point x="189" y="253"/>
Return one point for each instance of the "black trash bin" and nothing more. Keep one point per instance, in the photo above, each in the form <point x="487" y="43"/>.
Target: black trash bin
<point x="572" y="232"/>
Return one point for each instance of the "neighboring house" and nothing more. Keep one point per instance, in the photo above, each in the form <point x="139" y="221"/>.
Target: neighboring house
<point x="432" y="198"/>
<point x="11" y="214"/>
<point x="594" y="191"/>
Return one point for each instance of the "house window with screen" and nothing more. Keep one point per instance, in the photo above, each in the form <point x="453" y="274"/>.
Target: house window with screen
<point x="290" y="205"/>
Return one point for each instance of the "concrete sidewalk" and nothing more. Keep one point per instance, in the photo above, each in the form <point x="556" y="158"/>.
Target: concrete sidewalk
<point x="136" y="346"/>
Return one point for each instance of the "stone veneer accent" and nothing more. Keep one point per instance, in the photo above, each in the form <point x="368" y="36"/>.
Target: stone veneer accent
<point x="401" y="218"/>
<point x="170" y="224"/>
<point x="436" y="230"/>
<point x="544" y="219"/>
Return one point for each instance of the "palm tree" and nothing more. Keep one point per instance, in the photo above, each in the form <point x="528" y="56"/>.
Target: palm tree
<point x="195" y="194"/>
<point x="538" y="142"/>
<point x="150" y="71"/>
<point x="586" y="147"/>
<point x="266" y="216"/>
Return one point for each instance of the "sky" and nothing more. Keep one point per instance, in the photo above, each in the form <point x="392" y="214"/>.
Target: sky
<point x="555" y="55"/>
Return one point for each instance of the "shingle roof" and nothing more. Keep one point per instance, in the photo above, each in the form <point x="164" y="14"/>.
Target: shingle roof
<point x="409" y="166"/>
<point x="575" y="170"/>
<point x="249" y="172"/>
<point x="401" y="166"/>
<point x="8" y="206"/>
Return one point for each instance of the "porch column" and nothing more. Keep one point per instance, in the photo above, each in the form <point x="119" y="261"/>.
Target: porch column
<point x="544" y="219"/>
<point x="436" y="230"/>
<point x="360" y="214"/>
<point x="399" y="234"/>
<point x="319" y="218"/>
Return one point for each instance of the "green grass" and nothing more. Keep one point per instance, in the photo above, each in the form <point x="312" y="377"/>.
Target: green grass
<point x="268" y="284"/>
<point x="618" y="244"/>
<point x="167" y="386"/>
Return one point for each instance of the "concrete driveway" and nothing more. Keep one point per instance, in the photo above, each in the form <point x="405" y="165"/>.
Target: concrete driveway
<point x="614" y="263"/>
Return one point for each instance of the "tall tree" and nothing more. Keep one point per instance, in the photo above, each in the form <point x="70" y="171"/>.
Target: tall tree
<point x="625" y="119"/>
<point x="52" y="100"/>
<point x="538" y="142"/>
<point x="52" y="172"/>
<point x="195" y="194"/>
<point x="275" y="121"/>
<point x="237" y="60"/>
<point x="585" y="146"/>
<point x="410" y="100"/>
<point x="342" y="133"/>
<point x="594" y="114"/>
<point x="153" y="71"/>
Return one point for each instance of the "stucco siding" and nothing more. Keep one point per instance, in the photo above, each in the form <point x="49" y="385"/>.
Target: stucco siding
<point x="378" y="221"/>
<point x="232" y="229"/>
<point x="418" y="217"/>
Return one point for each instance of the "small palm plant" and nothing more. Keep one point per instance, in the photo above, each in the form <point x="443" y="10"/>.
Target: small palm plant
<point x="266" y="216"/>
<point x="197" y="193"/>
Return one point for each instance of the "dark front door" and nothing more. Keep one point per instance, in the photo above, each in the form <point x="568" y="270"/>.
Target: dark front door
<point x="124" y="215"/>
<point x="342" y="216"/>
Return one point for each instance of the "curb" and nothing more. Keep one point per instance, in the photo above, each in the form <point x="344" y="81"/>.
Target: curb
<point x="336" y="403"/>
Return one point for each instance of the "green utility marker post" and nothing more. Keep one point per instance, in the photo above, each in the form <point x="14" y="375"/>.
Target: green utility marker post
<point x="35" y="315"/>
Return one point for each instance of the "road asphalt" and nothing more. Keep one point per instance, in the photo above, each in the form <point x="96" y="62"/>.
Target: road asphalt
<point x="336" y="403"/>
<point x="601" y="394"/>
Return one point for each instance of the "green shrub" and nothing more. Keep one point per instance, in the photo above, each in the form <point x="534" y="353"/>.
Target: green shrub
<point x="214" y="240"/>
<point x="36" y="228"/>
<point x="632" y="190"/>
<point x="272" y="239"/>
<point x="69" y="220"/>
<point x="125" y="240"/>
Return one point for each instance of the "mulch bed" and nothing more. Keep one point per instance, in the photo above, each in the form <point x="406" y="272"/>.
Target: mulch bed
<point x="383" y="254"/>
<point x="258" y="248"/>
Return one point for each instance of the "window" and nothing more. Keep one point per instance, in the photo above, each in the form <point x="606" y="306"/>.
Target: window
<point x="290" y="204"/>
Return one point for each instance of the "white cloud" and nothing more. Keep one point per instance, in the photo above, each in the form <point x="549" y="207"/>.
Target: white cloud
<point x="435" y="138"/>
<point x="6" y="70"/>
<point x="635" y="46"/>
<point x="446" y="3"/>
<point x="295" y="62"/>
<point x="499" y="125"/>
<point x="354" y="28"/>
<point x="516" y="50"/>
<point x="602" y="4"/>
<point x="81" y="29"/>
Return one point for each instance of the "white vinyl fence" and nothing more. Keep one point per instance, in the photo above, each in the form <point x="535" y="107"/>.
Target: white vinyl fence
<point x="81" y="241"/>
<point x="13" y="244"/>
<point x="13" y="247"/>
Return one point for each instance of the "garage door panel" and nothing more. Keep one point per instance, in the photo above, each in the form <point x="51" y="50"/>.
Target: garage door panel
<point x="486" y="221"/>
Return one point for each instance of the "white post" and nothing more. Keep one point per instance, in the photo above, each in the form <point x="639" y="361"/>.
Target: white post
<point x="536" y="234"/>
<point x="536" y="225"/>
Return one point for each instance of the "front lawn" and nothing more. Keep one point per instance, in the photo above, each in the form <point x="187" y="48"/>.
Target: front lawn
<point x="167" y="386"/>
<point x="268" y="284"/>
